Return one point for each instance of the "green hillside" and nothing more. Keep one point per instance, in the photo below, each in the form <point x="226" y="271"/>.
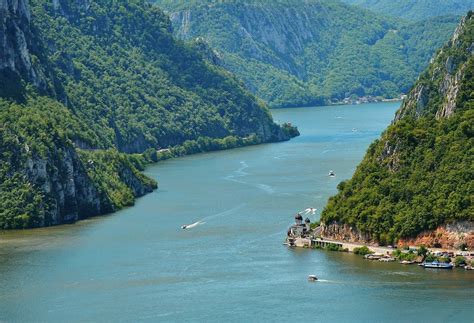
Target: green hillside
<point x="416" y="9"/>
<point x="311" y="52"/>
<point x="420" y="173"/>
<point x="85" y="85"/>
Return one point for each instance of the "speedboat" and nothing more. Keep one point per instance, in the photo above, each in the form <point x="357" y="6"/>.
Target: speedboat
<point x="331" y="173"/>
<point x="312" y="278"/>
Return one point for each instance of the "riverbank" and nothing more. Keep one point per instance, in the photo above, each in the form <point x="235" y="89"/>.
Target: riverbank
<point x="408" y="255"/>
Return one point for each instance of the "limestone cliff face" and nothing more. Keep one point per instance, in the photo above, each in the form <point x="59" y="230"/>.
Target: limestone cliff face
<point x="444" y="80"/>
<point x="68" y="193"/>
<point x="344" y="232"/>
<point x="18" y="44"/>
<point x="260" y="29"/>
<point x="63" y="179"/>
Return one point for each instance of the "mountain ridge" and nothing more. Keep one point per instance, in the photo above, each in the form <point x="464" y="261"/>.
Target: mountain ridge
<point x="416" y="10"/>
<point x="417" y="178"/>
<point x="294" y="53"/>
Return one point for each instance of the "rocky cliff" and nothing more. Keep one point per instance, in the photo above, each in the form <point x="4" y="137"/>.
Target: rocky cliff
<point x="415" y="182"/>
<point x="451" y="235"/>
<point x="16" y="44"/>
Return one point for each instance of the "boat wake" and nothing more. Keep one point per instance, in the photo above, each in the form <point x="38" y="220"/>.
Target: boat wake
<point x="213" y="216"/>
<point x="224" y="213"/>
<point x="190" y="226"/>
<point x="239" y="173"/>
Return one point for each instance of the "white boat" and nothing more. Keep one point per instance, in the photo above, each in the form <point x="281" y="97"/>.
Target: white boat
<point x="331" y="173"/>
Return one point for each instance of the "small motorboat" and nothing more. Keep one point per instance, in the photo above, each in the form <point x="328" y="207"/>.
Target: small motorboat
<point x="331" y="173"/>
<point x="312" y="278"/>
<point x="190" y="226"/>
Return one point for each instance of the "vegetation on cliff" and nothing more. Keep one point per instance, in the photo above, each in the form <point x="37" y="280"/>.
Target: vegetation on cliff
<point x="416" y="9"/>
<point x="419" y="175"/>
<point x="293" y="53"/>
<point x="90" y="91"/>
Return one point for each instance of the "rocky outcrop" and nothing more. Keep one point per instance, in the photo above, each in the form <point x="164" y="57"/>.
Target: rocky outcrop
<point x="17" y="43"/>
<point x="70" y="194"/>
<point x="444" y="81"/>
<point x="446" y="74"/>
<point x="344" y="232"/>
<point x="414" y="104"/>
<point x="64" y="180"/>
<point x="450" y="89"/>
<point x="449" y="236"/>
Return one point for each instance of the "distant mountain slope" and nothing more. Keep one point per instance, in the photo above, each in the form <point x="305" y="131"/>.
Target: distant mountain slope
<point x="416" y="9"/>
<point x="419" y="176"/>
<point x="84" y="85"/>
<point x="309" y="52"/>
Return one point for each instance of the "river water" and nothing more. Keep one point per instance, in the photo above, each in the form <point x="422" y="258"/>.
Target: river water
<point x="139" y="265"/>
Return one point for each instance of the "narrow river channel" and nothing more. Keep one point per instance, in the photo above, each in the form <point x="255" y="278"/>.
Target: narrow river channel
<point x="138" y="264"/>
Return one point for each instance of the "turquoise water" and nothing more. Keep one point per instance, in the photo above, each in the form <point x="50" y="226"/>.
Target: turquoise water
<point x="138" y="265"/>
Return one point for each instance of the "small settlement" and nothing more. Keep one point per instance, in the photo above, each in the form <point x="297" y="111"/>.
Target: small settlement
<point x="301" y="235"/>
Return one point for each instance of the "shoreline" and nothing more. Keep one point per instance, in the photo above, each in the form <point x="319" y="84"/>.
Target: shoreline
<point x="381" y="253"/>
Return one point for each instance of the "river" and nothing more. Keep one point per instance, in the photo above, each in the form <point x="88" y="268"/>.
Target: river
<point x="138" y="265"/>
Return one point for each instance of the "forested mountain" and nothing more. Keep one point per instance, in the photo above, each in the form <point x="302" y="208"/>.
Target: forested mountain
<point x="84" y="84"/>
<point x="416" y="9"/>
<point x="419" y="175"/>
<point x="292" y="52"/>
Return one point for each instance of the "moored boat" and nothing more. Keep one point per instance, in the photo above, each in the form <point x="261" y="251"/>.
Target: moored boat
<point x="437" y="265"/>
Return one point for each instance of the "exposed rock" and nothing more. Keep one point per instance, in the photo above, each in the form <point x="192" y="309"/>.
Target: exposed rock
<point x="208" y="54"/>
<point x="64" y="181"/>
<point x="450" y="236"/>
<point x="450" y="88"/>
<point x="344" y="232"/>
<point x="450" y="66"/>
<point x="19" y="55"/>
<point x="414" y="104"/>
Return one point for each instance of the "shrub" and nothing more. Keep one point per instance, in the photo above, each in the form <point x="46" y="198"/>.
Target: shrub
<point x="364" y="250"/>
<point x="459" y="260"/>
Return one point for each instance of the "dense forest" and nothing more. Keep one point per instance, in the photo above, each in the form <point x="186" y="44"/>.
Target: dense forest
<point x="90" y="91"/>
<point x="313" y="52"/>
<point x="419" y="174"/>
<point x="416" y="9"/>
